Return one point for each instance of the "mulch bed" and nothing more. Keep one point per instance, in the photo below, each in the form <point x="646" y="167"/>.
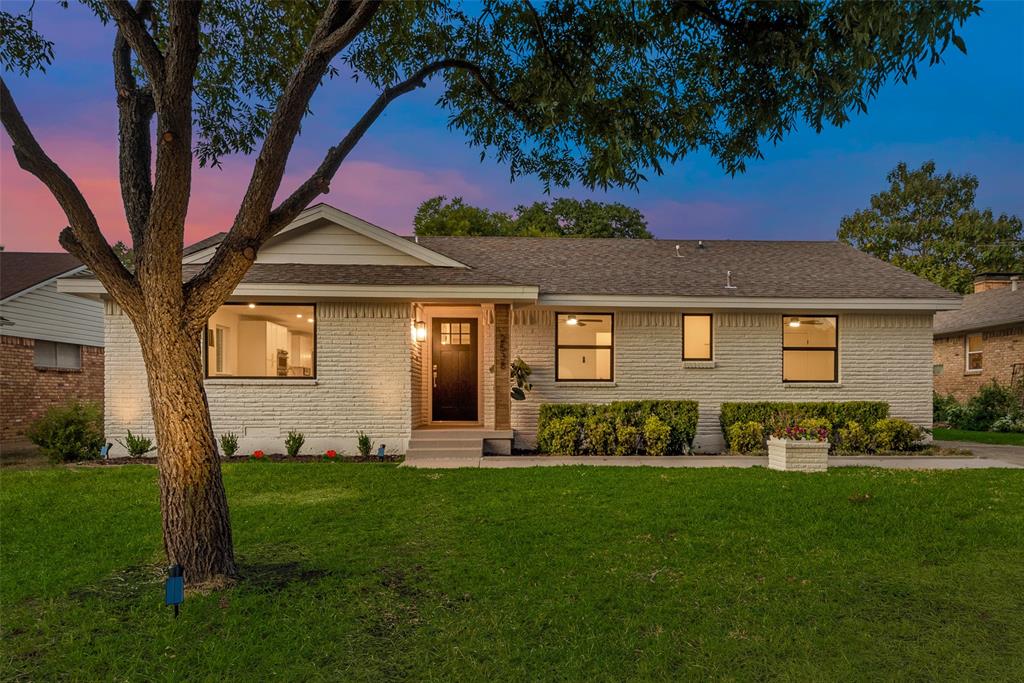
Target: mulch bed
<point x="269" y="457"/>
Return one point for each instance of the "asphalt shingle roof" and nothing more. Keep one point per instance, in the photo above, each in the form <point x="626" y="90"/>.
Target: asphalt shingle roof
<point x="993" y="308"/>
<point x="20" y="270"/>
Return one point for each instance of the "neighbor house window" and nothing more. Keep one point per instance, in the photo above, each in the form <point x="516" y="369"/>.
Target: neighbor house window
<point x="262" y="340"/>
<point x="583" y="347"/>
<point x="810" y="348"/>
<point x="973" y="352"/>
<point x="50" y="354"/>
<point x="697" y="337"/>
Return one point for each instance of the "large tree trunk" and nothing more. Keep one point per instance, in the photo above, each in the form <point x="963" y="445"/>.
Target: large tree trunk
<point x="193" y="505"/>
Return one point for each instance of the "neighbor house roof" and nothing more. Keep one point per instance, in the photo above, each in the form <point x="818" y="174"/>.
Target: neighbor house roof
<point x="21" y="270"/>
<point x="985" y="310"/>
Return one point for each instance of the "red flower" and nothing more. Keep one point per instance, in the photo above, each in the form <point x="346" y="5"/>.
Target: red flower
<point x="257" y="454"/>
<point x="331" y="454"/>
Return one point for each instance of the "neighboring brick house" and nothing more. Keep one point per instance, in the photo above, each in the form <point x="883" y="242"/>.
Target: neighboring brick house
<point x="341" y="326"/>
<point x="51" y="343"/>
<point x="984" y="340"/>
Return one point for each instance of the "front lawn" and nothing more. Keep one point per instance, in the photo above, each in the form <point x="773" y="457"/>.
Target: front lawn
<point x="1008" y="438"/>
<point x="375" y="573"/>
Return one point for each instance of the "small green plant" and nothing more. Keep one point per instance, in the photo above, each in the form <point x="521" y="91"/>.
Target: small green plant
<point x="854" y="438"/>
<point x="627" y="438"/>
<point x="746" y="437"/>
<point x="70" y="432"/>
<point x="656" y="435"/>
<point x="942" y="406"/>
<point x="561" y="436"/>
<point x="364" y="445"/>
<point x="992" y="402"/>
<point x="293" y="444"/>
<point x="136" y="445"/>
<point x="893" y="434"/>
<point x="598" y="435"/>
<point x="229" y="444"/>
<point x="519" y="376"/>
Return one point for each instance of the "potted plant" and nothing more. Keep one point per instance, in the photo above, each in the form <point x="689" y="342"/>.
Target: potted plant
<point x="798" y="447"/>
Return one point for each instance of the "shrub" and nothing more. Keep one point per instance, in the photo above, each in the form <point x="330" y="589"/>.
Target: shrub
<point x="819" y="426"/>
<point x="136" y="445"/>
<point x="657" y="434"/>
<point x="992" y="402"/>
<point x="598" y="435"/>
<point x="837" y="413"/>
<point x="680" y="416"/>
<point x="364" y="445"/>
<point x="229" y="444"/>
<point x="293" y="444"/>
<point x="746" y="437"/>
<point x="893" y="434"/>
<point x="1008" y="423"/>
<point x="627" y="438"/>
<point x="942" y="405"/>
<point x="853" y="438"/>
<point x="70" y="432"/>
<point x="560" y="436"/>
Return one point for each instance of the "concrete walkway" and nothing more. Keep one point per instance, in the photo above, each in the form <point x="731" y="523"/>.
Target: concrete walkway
<point x="885" y="461"/>
<point x="1005" y="453"/>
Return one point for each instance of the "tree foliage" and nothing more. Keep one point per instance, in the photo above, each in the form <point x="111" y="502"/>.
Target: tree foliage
<point x="927" y="223"/>
<point x="564" y="217"/>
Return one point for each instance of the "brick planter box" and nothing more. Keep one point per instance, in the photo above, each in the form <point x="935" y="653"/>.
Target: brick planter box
<point x="797" y="456"/>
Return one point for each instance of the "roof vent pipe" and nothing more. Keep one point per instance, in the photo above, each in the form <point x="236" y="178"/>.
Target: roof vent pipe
<point x="700" y="244"/>
<point x="678" y="255"/>
<point x="1014" y="283"/>
<point x="728" y="280"/>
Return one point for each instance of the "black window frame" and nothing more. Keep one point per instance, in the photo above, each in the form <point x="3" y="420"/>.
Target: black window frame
<point x="206" y="343"/>
<point x="833" y="349"/>
<point x="610" y="347"/>
<point x="711" y="335"/>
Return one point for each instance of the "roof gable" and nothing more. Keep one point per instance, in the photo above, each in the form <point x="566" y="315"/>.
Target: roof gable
<point x="327" y="236"/>
<point x="22" y="271"/>
<point x="993" y="308"/>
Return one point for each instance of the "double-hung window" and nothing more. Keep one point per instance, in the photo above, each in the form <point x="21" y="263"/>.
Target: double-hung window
<point x="810" y="348"/>
<point x="584" y="350"/>
<point x="973" y="353"/>
<point x="58" y="355"/>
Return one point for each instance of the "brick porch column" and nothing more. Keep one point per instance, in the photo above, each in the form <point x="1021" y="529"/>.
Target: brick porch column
<point x="502" y="398"/>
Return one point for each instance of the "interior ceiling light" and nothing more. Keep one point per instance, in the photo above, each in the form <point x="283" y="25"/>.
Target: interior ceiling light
<point x="252" y="305"/>
<point x="794" y="323"/>
<point x="571" y="320"/>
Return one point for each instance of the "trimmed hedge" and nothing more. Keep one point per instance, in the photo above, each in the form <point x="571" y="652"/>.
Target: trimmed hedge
<point x="837" y="413"/>
<point x="629" y="418"/>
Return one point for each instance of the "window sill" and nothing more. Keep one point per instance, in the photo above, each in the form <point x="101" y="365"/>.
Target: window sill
<point x="256" y="381"/>
<point x="571" y="383"/>
<point x="698" y="364"/>
<point x="40" y="368"/>
<point x="812" y="385"/>
<point x="969" y="373"/>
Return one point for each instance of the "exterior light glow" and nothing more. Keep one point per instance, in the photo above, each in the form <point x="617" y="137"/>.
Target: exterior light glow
<point x="421" y="330"/>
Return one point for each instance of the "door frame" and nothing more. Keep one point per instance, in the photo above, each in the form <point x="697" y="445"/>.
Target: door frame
<point x="429" y="313"/>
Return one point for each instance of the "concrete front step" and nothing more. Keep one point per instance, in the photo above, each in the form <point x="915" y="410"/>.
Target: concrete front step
<point x="471" y="452"/>
<point x="444" y="442"/>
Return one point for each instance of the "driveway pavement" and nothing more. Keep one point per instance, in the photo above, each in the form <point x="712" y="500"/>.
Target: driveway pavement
<point x="1010" y="454"/>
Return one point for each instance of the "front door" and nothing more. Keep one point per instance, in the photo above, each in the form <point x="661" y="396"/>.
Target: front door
<point x="454" y="369"/>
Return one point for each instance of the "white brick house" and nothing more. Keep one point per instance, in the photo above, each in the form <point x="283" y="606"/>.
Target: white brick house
<point x="342" y="327"/>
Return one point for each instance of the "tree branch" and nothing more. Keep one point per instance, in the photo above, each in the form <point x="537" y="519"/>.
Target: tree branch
<point x="130" y="23"/>
<point x="83" y="238"/>
<point x="135" y="108"/>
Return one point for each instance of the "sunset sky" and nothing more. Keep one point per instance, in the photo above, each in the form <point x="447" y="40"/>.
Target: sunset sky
<point x="965" y="114"/>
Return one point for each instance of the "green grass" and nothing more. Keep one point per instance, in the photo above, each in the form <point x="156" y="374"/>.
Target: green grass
<point x="1009" y="438"/>
<point x="374" y="573"/>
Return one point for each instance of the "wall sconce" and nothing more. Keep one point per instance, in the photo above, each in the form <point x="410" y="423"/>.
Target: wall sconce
<point x="421" y="330"/>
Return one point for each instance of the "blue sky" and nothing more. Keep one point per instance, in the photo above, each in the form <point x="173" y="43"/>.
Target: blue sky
<point x="964" y="113"/>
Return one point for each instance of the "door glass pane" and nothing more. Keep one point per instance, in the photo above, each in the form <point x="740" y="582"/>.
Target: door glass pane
<point x="585" y="364"/>
<point x="808" y="366"/>
<point x="445" y="327"/>
<point x="445" y="337"/>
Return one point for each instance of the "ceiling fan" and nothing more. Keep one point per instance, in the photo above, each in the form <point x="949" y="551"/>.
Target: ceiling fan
<point x="581" y="322"/>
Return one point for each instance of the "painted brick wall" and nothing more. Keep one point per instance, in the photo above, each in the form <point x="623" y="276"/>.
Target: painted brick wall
<point x="363" y="383"/>
<point x="1000" y="350"/>
<point x="882" y="357"/>
<point x="26" y="392"/>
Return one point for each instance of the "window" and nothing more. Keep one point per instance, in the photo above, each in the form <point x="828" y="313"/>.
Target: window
<point x="262" y="340"/>
<point x="697" y="337"/>
<point x="973" y="344"/>
<point x="50" y="354"/>
<point x="583" y="347"/>
<point x="809" y="348"/>
<point x="456" y="334"/>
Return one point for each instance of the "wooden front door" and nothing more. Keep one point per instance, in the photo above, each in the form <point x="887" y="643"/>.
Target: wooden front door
<point x="454" y="369"/>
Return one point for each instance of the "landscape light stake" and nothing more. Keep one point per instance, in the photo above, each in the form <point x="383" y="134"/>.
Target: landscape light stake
<point x="174" y="589"/>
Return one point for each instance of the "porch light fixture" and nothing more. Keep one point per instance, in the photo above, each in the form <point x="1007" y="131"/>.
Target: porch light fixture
<point x="252" y="305"/>
<point x="421" y="330"/>
<point x="571" y="320"/>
